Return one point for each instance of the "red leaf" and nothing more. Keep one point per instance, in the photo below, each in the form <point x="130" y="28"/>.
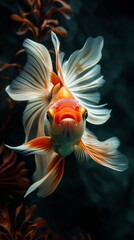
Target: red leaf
<point x="3" y="236"/>
<point x="18" y="210"/>
<point x="29" y="212"/>
<point x="39" y="223"/>
<point x="17" y="18"/>
<point x="12" y="175"/>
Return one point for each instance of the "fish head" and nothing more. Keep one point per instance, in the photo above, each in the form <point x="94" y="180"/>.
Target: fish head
<point x="66" y="120"/>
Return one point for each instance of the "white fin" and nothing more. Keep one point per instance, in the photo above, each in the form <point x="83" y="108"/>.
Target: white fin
<point x="85" y="90"/>
<point x="41" y="160"/>
<point x="33" y="84"/>
<point x="105" y="152"/>
<point x="33" y="118"/>
<point x="82" y="60"/>
<point x="59" y="56"/>
<point x="37" y="145"/>
<point x="33" y="81"/>
<point x="52" y="178"/>
<point x="25" y="149"/>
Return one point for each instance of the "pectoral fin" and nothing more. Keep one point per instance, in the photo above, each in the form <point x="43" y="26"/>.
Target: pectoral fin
<point x="105" y="152"/>
<point x="35" y="146"/>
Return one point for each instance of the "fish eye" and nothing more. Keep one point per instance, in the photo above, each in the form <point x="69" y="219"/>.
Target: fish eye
<point x="49" y="117"/>
<point x="85" y="115"/>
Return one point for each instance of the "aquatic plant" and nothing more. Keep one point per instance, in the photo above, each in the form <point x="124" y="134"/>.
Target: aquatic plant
<point x="40" y="20"/>
<point x="13" y="180"/>
<point x="20" y="224"/>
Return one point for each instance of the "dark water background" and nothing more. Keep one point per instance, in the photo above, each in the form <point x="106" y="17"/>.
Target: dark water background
<point x="90" y="197"/>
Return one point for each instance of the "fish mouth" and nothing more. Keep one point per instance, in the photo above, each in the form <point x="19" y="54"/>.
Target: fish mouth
<point x="68" y="122"/>
<point x="68" y="118"/>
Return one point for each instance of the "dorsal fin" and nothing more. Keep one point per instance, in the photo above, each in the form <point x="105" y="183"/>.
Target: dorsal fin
<point x="55" y="79"/>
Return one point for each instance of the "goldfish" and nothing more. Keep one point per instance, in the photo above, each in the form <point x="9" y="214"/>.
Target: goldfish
<point x="59" y="103"/>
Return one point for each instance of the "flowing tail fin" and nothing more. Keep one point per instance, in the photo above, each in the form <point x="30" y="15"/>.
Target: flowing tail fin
<point x="50" y="181"/>
<point x="104" y="153"/>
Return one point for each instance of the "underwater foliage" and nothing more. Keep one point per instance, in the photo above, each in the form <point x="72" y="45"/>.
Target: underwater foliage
<point x="20" y="225"/>
<point x="13" y="175"/>
<point x="39" y="19"/>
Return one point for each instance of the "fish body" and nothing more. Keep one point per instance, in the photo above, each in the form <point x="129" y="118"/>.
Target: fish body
<point x="65" y="124"/>
<point x="59" y="104"/>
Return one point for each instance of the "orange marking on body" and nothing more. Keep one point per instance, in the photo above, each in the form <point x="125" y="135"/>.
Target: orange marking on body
<point x="41" y="143"/>
<point x="53" y="162"/>
<point x="87" y="53"/>
<point x="64" y="93"/>
<point x="67" y="102"/>
<point x="59" y="172"/>
<point x="79" y="67"/>
<point x="55" y="79"/>
<point x="58" y="165"/>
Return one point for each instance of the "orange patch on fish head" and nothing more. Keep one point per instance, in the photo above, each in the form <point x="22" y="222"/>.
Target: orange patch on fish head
<point x="64" y="93"/>
<point x="59" y="92"/>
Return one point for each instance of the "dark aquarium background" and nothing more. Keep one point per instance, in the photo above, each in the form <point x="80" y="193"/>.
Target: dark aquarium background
<point x="91" y="202"/>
